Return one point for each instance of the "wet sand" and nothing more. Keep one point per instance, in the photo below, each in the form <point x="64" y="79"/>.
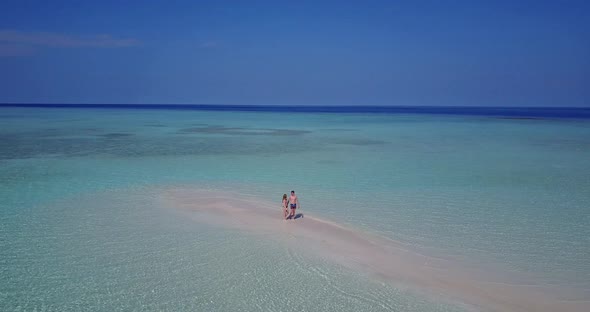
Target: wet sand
<point x="382" y="258"/>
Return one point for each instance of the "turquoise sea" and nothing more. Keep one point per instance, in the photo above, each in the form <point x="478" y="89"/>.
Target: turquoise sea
<point x="80" y="228"/>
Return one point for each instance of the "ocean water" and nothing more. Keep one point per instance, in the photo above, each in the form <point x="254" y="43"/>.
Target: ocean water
<point x="80" y="229"/>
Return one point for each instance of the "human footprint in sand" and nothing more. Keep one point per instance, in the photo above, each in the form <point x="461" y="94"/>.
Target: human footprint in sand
<point x="285" y="206"/>
<point x="293" y="203"/>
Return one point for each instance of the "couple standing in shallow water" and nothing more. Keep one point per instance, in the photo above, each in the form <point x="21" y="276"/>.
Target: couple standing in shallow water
<point x="291" y="202"/>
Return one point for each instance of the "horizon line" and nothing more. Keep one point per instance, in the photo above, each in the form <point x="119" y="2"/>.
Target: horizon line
<point x="195" y="105"/>
<point x="491" y="111"/>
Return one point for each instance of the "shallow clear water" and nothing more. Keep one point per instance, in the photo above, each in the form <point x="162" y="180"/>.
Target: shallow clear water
<point x="78" y="229"/>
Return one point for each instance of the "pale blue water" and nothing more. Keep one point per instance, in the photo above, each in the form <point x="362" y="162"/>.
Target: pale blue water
<point x="78" y="230"/>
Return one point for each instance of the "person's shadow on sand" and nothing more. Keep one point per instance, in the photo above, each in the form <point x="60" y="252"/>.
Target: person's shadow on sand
<point x="297" y="216"/>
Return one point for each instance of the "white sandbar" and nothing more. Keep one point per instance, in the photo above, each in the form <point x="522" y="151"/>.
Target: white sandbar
<point x="380" y="257"/>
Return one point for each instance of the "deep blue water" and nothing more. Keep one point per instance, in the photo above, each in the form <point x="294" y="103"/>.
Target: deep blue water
<point x="510" y="112"/>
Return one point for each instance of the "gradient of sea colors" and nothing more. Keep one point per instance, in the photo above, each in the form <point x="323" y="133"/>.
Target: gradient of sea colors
<point x="492" y="200"/>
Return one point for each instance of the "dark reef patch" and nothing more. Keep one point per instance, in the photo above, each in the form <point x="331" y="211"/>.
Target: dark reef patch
<point x="30" y="145"/>
<point x="12" y="116"/>
<point x="115" y="135"/>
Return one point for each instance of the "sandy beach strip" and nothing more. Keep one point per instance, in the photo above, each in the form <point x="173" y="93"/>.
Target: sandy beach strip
<point x="380" y="257"/>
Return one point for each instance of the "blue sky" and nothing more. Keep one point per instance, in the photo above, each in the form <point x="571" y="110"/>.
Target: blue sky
<point x="476" y="53"/>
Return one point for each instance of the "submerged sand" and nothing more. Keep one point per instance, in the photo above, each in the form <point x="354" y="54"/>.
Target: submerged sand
<point x="377" y="256"/>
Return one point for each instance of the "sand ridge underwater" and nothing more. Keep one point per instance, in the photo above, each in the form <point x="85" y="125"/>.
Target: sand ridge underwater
<point x="377" y="256"/>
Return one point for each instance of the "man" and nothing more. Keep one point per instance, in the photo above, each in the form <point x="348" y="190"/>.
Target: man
<point x="293" y="204"/>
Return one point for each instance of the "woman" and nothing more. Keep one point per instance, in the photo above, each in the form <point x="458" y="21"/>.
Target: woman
<point x="285" y="206"/>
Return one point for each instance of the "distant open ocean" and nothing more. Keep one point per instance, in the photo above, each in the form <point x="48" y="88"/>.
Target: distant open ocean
<point x="502" y="194"/>
<point x="539" y="112"/>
